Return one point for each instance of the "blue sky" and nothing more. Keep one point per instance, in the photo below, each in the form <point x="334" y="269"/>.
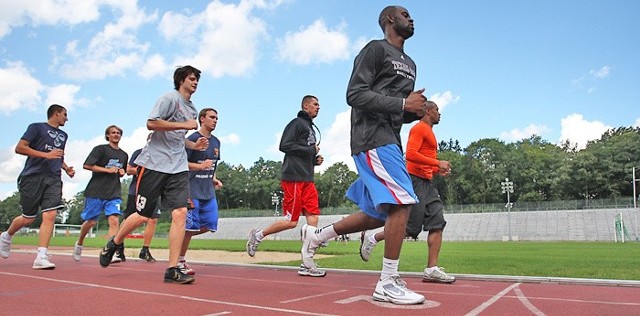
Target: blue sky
<point x="498" y="69"/>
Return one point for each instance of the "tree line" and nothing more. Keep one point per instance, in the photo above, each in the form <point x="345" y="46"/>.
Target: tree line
<point x="540" y="171"/>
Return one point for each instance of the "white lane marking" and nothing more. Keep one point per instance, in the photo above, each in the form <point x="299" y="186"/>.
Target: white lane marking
<point x="184" y="297"/>
<point x="312" y="296"/>
<point x="369" y="298"/>
<point x="526" y="302"/>
<point x="492" y="300"/>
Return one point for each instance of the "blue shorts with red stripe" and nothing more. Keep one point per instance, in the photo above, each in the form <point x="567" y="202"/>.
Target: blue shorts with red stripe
<point x="382" y="180"/>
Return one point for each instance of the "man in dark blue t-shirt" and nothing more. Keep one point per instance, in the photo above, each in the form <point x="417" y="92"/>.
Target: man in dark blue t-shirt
<point x="39" y="183"/>
<point x="202" y="214"/>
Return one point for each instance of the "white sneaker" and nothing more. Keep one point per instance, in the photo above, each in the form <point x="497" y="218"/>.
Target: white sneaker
<point x="366" y="246"/>
<point x="252" y="243"/>
<point x="5" y="245"/>
<point x="43" y="263"/>
<point x="438" y="275"/>
<point x="392" y="289"/>
<point x="77" y="251"/>
<point x="310" y="244"/>
<point x="312" y="272"/>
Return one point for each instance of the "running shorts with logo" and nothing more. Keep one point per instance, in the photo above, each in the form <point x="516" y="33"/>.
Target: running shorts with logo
<point x="383" y="180"/>
<point x="202" y="214"/>
<point x="94" y="207"/>
<point x="174" y="189"/>
<point x="300" y="197"/>
<point x="40" y="190"/>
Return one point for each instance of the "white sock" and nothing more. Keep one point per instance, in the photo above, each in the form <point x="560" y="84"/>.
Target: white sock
<point x="259" y="235"/>
<point x="326" y="233"/>
<point x="5" y="236"/>
<point x="42" y="251"/>
<point x="372" y="238"/>
<point x="181" y="259"/>
<point x="389" y="268"/>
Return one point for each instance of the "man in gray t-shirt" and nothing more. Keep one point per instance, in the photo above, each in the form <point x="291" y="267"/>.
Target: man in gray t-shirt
<point x="163" y="170"/>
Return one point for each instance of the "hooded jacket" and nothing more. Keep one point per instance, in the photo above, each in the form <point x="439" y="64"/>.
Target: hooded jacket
<point x="298" y="143"/>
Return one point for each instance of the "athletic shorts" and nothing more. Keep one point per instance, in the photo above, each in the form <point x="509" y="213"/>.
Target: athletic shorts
<point x="131" y="207"/>
<point x="171" y="189"/>
<point x="93" y="207"/>
<point x="203" y="214"/>
<point x="383" y="180"/>
<point x="428" y="213"/>
<point x="299" y="198"/>
<point x="40" y="191"/>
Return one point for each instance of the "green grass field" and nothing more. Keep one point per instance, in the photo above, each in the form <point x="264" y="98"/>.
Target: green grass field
<point x="597" y="260"/>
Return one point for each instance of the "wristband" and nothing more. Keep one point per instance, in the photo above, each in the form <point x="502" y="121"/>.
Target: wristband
<point x="403" y="102"/>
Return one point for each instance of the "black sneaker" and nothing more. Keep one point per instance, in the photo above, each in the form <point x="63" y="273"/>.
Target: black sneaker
<point x="107" y="253"/>
<point x="145" y="255"/>
<point x="120" y="253"/>
<point x="174" y="275"/>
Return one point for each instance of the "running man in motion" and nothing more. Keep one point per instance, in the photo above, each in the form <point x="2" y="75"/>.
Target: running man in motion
<point x="40" y="183"/>
<point x="300" y="150"/>
<point x="380" y="93"/>
<point x="103" y="193"/>
<point x="164" y="171"/>
<point x="202" y="215"/>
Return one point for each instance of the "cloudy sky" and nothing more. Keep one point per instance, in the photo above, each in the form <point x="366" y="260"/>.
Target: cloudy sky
<point x="498" y="69"/>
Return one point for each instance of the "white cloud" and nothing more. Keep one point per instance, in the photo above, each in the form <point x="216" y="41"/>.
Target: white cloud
<point x="111" y="52"/>
<point x="315" y="44"/>
<point x="46" y="12"/>
<point x="518" y="134"/>
<point x="28" y="94"/>
<point x="155" y="66"/>
<point x="637" y="123"/>
<point x="11" y="164"/>
<point x="221" y="40"/>
<point x="230" y="139"/>
<point x="63" y="94"/>
<point x="579" y="131"/>
<point x="16" y="96"/>
<point x="601" y="73"/>
<point x="588" y="81"/>
<point x="444" y="99"/>
<point x="335" y="144"/>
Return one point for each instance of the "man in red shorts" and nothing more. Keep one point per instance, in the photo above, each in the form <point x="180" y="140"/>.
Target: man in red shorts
<point x="300" y="150"/>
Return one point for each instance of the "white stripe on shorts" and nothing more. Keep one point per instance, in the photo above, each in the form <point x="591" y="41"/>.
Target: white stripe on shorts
<point x="398" y="192"/>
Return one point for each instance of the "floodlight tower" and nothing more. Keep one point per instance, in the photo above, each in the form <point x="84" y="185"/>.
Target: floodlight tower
<point x="507" y="187"/>
<point x="635" y="203"/>
<point x="275" y="200"/>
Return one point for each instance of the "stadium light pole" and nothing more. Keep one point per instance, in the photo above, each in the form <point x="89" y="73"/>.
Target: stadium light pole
<point x="275" y="200"/>
<point x="635" y="203"/>
<point x="507" y="187"/>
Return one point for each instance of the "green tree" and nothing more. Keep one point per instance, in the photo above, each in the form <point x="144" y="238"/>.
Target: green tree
<point x="333" y="183"/>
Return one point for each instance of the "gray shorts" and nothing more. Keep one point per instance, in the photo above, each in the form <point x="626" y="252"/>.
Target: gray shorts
<point x="40" y="191"/>
<point x="428" y="213"/>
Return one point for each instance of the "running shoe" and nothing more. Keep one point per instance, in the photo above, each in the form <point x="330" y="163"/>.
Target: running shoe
<point x="120" y="253"/>
<point x="394" y="290"/>
<point x="43" y="263"/>
<point x="145" y="255"/>
<point x="366" y="246"/>
<point x="77" y="251"/>
<point x="312" y="272"/>
<point x="185" y="268"/>
<point x="5" y="245"/>
<point x="437" y="274"/>
<point x="106" y="255"/>
<point x="174" y="275"/>
<point x="252" y="243"/>
<point x="310" y="244"/>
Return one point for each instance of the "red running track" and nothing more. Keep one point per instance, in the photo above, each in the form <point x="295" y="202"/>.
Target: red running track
<point x="136" y="287"/>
